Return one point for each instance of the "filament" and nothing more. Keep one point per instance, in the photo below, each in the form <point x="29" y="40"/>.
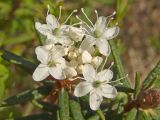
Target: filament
<point x="96" y="14"/>
<point x="86" y="16"/>
<point x="48" y="7"/>
<point x="111" y="65"/>
<point x="119" y="79"/>
<point x="74" y="11"/>
<point x="60" y="12"/>
<point x="104" y="64"/>
<point x="77" y="24"/>
<point x="77" y="78"/>
<point x="83" y="22"/>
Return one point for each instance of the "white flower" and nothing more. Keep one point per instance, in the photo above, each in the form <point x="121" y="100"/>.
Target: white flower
<point x="97" y="85"/>
<point x="55" y="32"/>
<point x="51" y="62"/>
<point x="98" y="34"/>
<point x="76" y="34"/>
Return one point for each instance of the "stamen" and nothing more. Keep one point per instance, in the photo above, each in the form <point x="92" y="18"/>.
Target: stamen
<point x="119" y="79"/>
<point x="83" y="22"/>
<point x="104" y="63"/>
<point x="111" y="65"/>
<point x="96" y="14"/>
<point x="48" y="7"/>
<point x="77" y="78"/>
<point x="77" y="23"/>
<point x="109" y="21"/>
<point x="86" y="16"/>
<point x="74" y="11"/>
<point x="60" y="12"/>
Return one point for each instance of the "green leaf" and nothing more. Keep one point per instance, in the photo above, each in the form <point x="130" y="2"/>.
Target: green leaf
<point x="152" y="76"/>
<point x="4" y="74"/>
<point x="137" y="85"/>
<point x="141" y="115"/>
<point x="27" y="96"/>
<point x="124" y="89"/>
<point x="20" y="61"/>
<point x="45" y="106"/>
<point x="94" y="117"/>
<point x="122" y="8"/>
<point x="18" y="39"/>
<point x="118" y="64"/>
<point x="131" y="115"/>
<point x="76" y="110"/>
<point x="63" y="104"/>
<point x="43" y="116"/>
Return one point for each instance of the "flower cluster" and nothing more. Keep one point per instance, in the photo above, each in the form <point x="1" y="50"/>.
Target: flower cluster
<point x="70" y="51"/>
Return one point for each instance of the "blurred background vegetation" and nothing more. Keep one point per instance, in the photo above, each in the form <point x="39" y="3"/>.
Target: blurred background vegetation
<point x="139" y="45"/>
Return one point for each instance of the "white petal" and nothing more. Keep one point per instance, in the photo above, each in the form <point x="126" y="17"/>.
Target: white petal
<point x="57" y="73"/>
<point x="76" y="34"/>
<point x="60" y="62"/>
<point x="86" y="57"/>
<point x="111" y="32"/>
<point x="51" y="39"/>
<point x="105" y="75"/>
<point x="42" y="54"/>
<point x="89" y="73"/>
<point x="85" y="28"/>
<point x="65" y="41"/>
<point x="108" y="91"/>
<point x="82" y="89"/>
<point x="100" y="24"/>
<point x="69" y="72"/>
<point x="73" y="63"/>
<point x="40" y="73"/>
<point x="57" y="52"/>
<point x="42" y="28"/>
<point x="88" y="42"/>
<point x="103" y="47"/>
<point x="95" y="100"/>
<point x="52" y="21"/>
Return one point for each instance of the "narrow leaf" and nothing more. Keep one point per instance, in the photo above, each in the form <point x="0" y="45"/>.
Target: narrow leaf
<point x="23" y="63"/>
<point x="118" y="64"/>
<point x="124" y="89"/>
<point x="27" y="96"/>
<point x="43" y="116"/>
<point x="94" y="117"/>
<point x="131" y="115"/>
<point x="152" y="76"/>
<point x="63" y="104"/>
<point x="76" y="110"/>
<point x="137" y="85"/>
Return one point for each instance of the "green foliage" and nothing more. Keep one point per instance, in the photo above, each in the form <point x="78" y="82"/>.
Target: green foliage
<point x="131" y="115"/>
<point x="137" y="85"/>
<point x="4" y="74"/>
<point x="118" y="64"/>
<point x="17" y="20"/>
<point x="27" y="96"/>
<point x="122" y="7"/>
<point x="63" y="104"/>
<point x="19" y="61"/>
<point x="42" y="116"/>
<point x="152" y="76"/>
<point x="76" y="110"/>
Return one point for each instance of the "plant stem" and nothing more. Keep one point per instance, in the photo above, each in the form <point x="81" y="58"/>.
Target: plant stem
<point x="101" y="115"/>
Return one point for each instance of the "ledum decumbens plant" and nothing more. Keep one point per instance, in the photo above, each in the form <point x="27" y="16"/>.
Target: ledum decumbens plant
<point x="77" y="80"/>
